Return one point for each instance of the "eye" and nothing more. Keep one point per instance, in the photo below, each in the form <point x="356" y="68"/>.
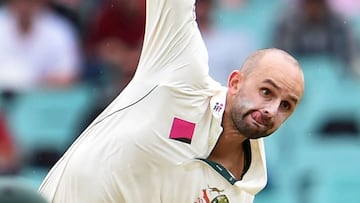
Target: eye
<point x="265" y="92"/>
<point x="285" y="105"/>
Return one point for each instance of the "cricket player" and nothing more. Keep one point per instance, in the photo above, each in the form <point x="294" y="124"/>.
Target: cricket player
<point x="174" y="134"/>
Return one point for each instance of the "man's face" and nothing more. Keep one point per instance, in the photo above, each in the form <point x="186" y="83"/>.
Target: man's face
<point x="266" y="97"/>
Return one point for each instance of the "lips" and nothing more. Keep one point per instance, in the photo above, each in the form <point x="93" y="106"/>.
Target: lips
<point x="258" y="117"/>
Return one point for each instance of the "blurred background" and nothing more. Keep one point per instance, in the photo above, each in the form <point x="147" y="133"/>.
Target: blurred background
<point x="63" y="61"/>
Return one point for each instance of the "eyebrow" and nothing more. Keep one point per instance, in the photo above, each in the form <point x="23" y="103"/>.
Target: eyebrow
<point x="272" y="83"/>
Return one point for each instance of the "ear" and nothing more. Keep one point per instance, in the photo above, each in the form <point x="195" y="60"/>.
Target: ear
<point x="235" y="81"/>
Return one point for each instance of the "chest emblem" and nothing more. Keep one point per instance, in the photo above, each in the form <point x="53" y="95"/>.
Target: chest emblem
<point x="212" y="195"/>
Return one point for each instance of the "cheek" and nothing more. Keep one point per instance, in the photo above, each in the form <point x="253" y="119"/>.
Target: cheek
<point x="280" y="119"/>
<point x="277" y="124"/>
<point x="246" y="101"/>
<point x="246" y="104"/>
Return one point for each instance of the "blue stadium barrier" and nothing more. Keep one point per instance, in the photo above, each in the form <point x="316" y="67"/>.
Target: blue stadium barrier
<point x="49" y="118"/>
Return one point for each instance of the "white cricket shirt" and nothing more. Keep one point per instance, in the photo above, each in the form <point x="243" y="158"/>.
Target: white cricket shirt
<point x="169" y="115"/>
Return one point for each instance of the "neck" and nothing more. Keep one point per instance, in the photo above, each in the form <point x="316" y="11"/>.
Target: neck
<point x="229" y="150"/>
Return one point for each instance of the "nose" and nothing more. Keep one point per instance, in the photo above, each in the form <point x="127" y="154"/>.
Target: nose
<point x="271" y="110"/>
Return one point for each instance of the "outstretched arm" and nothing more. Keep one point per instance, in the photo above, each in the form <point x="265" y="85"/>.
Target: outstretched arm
<point x="173" y="49"/>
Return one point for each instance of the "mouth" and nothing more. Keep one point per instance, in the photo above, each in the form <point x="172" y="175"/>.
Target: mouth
<point x="258" y="118"/>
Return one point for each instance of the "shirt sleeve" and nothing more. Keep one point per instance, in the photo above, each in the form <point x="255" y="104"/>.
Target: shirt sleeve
<point x="173" y="49"/>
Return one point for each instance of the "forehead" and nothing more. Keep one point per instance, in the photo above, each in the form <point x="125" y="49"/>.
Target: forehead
<point x="282" y="70"/>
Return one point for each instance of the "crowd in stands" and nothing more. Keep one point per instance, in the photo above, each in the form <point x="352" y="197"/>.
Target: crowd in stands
<point x="56" y="45"/>
<point x="312" y="27"/>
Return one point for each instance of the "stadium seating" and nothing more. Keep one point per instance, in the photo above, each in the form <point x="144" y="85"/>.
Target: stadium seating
<point x="49" y="117"/>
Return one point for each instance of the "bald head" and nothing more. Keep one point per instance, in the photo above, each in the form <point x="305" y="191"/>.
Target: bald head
<point x="271" y="62"/>
<point x="252" y="62"/>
